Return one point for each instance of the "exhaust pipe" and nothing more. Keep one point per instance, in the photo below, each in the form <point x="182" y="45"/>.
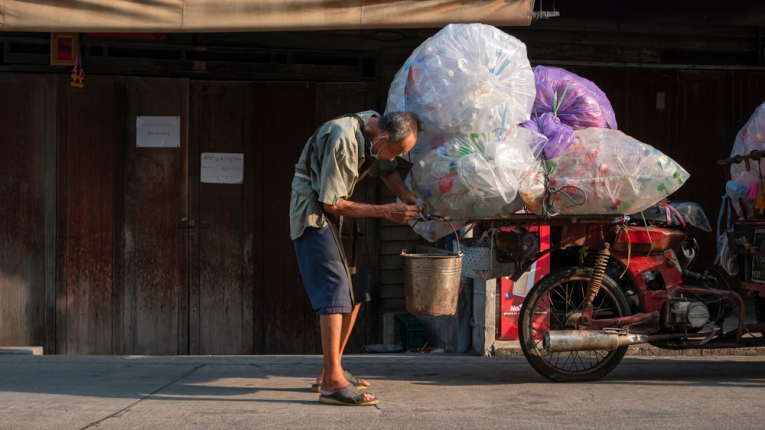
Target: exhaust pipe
<point x="590" y="340"/>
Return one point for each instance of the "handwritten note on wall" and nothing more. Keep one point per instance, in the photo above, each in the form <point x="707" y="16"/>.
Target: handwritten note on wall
<point x="158" y="131"/>
<point x="219" y="168"/>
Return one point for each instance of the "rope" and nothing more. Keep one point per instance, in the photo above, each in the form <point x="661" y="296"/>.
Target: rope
<point x="552" y="193"/>
<point x="619" y="228"/>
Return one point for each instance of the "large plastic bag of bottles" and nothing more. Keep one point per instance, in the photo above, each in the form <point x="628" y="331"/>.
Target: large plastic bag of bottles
<point x="477" y="175"/>
<point x="397" y="91"/>
<point x="565" y="102"/>
<point x="602" y="172"/>
<point x="432" y="230"/>
<point x="742" y="188"/>
<point x="468" y="78"/>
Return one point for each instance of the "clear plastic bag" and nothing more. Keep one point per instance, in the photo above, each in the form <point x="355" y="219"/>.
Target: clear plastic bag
<point x="616" y="173"/>
<point x="476" y="176"/>
<point x="468" y="78"/>
<point x="742" y="188"/>
<point x="396" y="93"/>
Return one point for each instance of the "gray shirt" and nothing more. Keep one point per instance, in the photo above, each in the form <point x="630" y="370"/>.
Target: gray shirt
<point x="336" y="161"/>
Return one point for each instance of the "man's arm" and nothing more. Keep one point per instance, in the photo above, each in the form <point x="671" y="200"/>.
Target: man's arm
<point x="394" y="182"/>
<point x="396" y="212"/>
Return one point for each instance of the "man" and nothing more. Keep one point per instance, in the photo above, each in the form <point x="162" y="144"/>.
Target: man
<point x="334" y="160"/>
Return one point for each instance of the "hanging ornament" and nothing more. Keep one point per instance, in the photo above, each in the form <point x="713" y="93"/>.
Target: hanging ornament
<point x="78" y="73"/>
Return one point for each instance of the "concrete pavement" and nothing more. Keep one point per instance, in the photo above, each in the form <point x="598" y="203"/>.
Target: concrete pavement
<point x="416" y="391"/>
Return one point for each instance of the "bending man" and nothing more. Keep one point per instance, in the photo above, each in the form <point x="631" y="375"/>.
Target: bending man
<point x="335" y="159"/>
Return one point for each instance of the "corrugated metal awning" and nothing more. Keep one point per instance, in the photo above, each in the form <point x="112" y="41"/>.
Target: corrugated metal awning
<point x="173" y="16"/>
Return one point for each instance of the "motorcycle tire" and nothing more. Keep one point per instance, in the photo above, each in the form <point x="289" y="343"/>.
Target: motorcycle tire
<point x="571" y="282"/>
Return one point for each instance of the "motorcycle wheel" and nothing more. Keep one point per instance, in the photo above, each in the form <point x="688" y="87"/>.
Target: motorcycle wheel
<point x="555" y="303"/>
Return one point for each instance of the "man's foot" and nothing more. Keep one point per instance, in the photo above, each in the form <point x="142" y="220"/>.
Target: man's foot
<point x="359" y="383"/>
<point x="347" y="396"/>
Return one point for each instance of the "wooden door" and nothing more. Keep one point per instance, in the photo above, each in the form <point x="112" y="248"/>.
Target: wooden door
<point x="156" y="298"/>
<point x="283" y="122"/>
<point x="222" y="293"/>
<point x="89" y="194"/>
<point x="27" y="151"/>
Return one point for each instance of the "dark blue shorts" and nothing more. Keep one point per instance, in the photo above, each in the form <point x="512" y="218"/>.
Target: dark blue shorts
<point x="324" y="275"/>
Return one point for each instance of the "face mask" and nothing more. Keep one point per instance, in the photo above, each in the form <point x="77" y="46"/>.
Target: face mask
<point x="371" y="145"/>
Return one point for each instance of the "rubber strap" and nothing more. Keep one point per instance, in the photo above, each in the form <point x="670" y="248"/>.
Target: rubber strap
<point x="719" y="221"/>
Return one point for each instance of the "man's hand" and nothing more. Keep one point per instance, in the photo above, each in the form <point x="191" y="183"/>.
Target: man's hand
<point x="400" y="212"/>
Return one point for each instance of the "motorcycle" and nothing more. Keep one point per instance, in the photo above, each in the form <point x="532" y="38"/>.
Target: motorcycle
<point x="633" y="286"/>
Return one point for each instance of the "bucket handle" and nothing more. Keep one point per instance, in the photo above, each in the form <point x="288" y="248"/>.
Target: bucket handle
<point x="411" y="229"/>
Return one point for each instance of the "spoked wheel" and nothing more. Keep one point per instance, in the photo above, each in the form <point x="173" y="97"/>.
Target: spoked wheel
<point x="555" y="303"/>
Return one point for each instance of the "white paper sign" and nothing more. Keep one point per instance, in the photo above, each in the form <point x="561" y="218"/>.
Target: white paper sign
<point x="158" y="131"/>
<point x="219" y="168"/>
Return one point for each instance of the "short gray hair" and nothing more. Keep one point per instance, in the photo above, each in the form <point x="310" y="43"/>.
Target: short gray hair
<point x="399" y="125"/>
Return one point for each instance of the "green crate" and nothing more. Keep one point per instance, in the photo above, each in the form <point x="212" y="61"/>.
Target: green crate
<point x="409" y="331"/>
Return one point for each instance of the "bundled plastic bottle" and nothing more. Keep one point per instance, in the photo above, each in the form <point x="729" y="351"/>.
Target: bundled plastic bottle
<point x="396" y="93"/>
<point x="566" y="102"/>
<point x="468" y="78"/>
<point x="476" y="176"/>
<point x="742" y="188"/>
<point x="606" y="170"/>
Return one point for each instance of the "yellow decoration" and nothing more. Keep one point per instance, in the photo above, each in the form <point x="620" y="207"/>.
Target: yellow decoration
<point x="759" y="202"/>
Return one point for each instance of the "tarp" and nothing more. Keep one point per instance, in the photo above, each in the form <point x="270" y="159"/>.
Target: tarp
<point x="174" y="16"/>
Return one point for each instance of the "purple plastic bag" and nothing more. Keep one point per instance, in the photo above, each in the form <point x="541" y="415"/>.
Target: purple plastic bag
<point x="559" y="136"/>
<point x="584" y="104"/>
<point x="566" y="102"/>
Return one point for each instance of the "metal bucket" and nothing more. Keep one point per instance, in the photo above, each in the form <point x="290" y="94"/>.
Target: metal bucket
<point x="432" y="281"/>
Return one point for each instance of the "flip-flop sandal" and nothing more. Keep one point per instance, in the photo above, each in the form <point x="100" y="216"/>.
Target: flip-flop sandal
<point x="347" y="396"/>
<point x="357" y="382"/>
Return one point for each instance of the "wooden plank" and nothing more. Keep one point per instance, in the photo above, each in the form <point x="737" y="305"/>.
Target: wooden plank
<point x="626" y="39"/>
<point x="391" y="247"/>
<point x="701" y="97"/>
<point x="284" y="116"/>
<point x="118" y="211"/>
<point x="392" y="291"/>
<point x="193" y="233"/>
<point x="50" y="152"/>
<point x="156" y="261"/>
<point x="390" y="262"/>
<point x="88" y="145"/>
<point x="61" y="205"/>
<point x="392" y="305"/>
<point x="182" y="249"/>
<point x="735" y="12"/>
<point x="560" y="52"/>
<point x="391" y="276"/>
<point x="23" y="136"/>
<point x="252" y="327"/>
<point x="605" y="27"/>
<point x="255" y="198"/>
<point x="130" y="201"/>
<point x="221" y="121"/>
<point x="397" y="233"/>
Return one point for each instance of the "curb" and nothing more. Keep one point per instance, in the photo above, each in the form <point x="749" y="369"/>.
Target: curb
<point x="513" y="349"/>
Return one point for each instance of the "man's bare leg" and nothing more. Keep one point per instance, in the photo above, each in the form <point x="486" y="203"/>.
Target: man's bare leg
<point x="331" y="340"/>
<point x="348" y="322"/>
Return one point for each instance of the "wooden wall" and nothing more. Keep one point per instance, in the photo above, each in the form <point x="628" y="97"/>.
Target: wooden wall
<point x="27" y="172"/>
<point x="94" y="256"/>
